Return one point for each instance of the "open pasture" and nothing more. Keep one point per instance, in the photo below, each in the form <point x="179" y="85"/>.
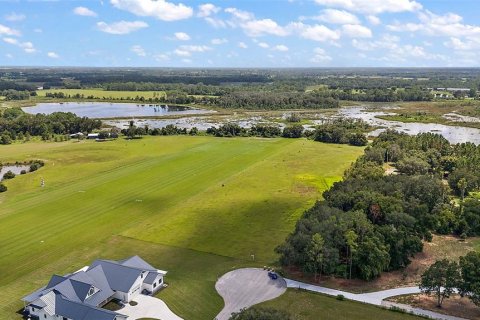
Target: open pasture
<point x="195" y="206"/>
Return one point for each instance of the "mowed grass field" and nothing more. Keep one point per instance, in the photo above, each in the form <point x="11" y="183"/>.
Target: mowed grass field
<point x="102" y="94"/>
<point x="313" y="306"/>
<point x="195" y="206"/>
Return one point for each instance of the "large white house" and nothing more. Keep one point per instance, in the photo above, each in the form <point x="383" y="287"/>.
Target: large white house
<point x="80" y="295"/>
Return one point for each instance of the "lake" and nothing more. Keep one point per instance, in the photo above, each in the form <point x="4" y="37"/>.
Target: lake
<point x="105" y="110"/>
<point x="451" y="133"/>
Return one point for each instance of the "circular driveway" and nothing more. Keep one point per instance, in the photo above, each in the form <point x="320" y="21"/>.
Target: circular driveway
<point x="244" y="288"/>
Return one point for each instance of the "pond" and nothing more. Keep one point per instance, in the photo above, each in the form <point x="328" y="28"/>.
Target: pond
<point x="200" y="123"/>
<point x="451" y="133"/>
<point x="14" y="168"/>
<point x="105" y="110"/>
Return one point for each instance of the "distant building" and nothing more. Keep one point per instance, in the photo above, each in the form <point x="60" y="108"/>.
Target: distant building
<point x="80" y="295"/>
<point x="92" y="136"/>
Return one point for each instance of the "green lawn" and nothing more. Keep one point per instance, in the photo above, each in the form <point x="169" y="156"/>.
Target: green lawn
<point x="100" y="93"/>
<point x="312" y="306"/>
<point x="195" y="206"/>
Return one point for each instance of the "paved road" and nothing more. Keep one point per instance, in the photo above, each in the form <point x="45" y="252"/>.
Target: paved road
<point x="375" y="298"/>
<point x="244" y="288"/>
<point x="148" y="307"/>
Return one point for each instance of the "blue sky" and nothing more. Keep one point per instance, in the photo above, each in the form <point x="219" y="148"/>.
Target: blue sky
<point x="240" y="33"/>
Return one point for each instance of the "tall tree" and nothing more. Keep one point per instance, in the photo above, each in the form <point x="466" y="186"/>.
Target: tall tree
<point x="441" y="278"/>
<point x="316" y="253"/>
<point x="470" y="272"/>
<point x="351" y="241"/>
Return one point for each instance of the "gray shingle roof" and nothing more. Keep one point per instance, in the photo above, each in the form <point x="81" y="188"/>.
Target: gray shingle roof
<point x="150" y="278"/>
<point x="120" y="278"/>
<point x="68" y="295"/>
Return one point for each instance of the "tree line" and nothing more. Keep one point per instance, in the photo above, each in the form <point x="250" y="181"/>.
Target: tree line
<point x="372" y="222"/>
<point x="15" y="123"/>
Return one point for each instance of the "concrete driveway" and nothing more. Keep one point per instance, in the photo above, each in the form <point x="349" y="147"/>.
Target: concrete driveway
<point x="148" y="307"/>
<point x="244" y="288"/>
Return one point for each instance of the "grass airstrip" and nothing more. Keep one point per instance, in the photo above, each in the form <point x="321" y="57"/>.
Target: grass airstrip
<point x="195" y="206"/>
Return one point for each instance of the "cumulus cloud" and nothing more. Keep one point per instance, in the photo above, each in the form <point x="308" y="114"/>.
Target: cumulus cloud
<point x="374" y="20"/>
<point x="257" y="28"/>
<point x="320" y="56"/>
<point x="83" y="11"/>
<point x="14" y="17"/>
<point x="187" y="50"/>
<point x="263" y="45"/>
<point x="4" y="30"/>
<point x="242" y="45"/>
<point x="218" y="41"/>
<point x="337" y="17"/>
<point x="182" y="36"/>
<point x="27" y="46"/>
<point x="207" y="9"/>
<point x="138" y="50"/>
<point x="240" y="14"/>
<point x="315" y="32"/>
<point x="216" y="23"/>
<point x="280" y="47"/>
<point x="373" y="6"/>
<point x="159" y="9"/>
<point x="450" y="25"/>
<point x="121" y="27"/>
<point x="356" y="31"/>
<point x="53" y="55"/>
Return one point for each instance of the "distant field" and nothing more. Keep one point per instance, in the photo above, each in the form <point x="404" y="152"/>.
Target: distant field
<point x="312" y="306"/>
<point x="195" y="206"/>
<point x="102" y="94"/>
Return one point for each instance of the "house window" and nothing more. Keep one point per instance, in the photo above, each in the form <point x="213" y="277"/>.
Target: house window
<point x="33" y="309"/>
<point x="155" y="285"/>
<point x="65" y="318"/>
<point x="45" y="316"/>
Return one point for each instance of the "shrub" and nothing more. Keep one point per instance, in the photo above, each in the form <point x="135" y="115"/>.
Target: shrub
<point x="340" y="297"/>
<point x="3" y="188"/>
<point x="23" y="172"/>
<point x="9" y="175"/>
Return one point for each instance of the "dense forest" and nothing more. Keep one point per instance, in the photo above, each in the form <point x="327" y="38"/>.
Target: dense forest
<point x="372" y="222"/>
<point x="246" y="88"/>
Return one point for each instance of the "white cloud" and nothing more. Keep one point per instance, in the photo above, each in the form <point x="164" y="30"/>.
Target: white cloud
<point x="182" y="36"/>
<point x="187" y="50"/>
<point x="182" y="53"/>
<point x="338" y="17"/>
<point x="242" y="45"/>
<point x="138" y="50"/>
<point x="316" y="32"/>
<point x="186" y="60"/>
<point x="280" y="47"/>
<point x="461" y="45"/>
<point x="240" y="14"/>
<point x="83" y="11"/>
<point x="216" y="23"/>
<point x="160" y="9"/>
<point x="161" y="57"/>
<point x="255" y="28"/>
<point x="449" y="25"/>
<point x="37" y="30"/>
<point x="218" y="41"/>
<point x="4" y="30"/>
<point x="207" y="9"/>
<point x="9" y="55"/>
<point x="374" y="20"/>
<point x="14" y="17"/>
<point x="320" y="56"/>
<point x="53" y="55"/>
<point x="121" y="27"/>
<point x="373" y="6"/>
<point x="356" y="31"/>
<point x="27" y="46"/>
<point x="263" y="45"/>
